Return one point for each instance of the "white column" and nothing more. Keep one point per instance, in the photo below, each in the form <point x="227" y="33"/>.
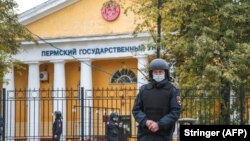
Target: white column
<point x="86" y="83"/>
<point x="10" y="109"/>
<point x="142" y="63"/>
<point x="59" y="102"/>
<point x="33" y="101"/>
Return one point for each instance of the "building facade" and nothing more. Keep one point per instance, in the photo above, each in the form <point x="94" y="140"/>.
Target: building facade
<point x="82" y="43"/>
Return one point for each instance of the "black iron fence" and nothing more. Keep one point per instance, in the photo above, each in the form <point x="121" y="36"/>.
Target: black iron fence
<point x="209" y="106"/>
<point x="28" y="114"/>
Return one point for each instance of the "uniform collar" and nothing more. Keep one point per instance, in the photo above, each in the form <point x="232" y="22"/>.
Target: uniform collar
<point x="157" y="85"/>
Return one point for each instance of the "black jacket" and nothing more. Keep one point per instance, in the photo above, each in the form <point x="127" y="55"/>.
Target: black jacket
<point x="57" y="127"/>
<point x="112" y="131"/>
<point x="158" y="101"/>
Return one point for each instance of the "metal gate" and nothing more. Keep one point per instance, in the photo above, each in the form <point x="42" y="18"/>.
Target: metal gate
<point x="28" y="114"/>
<point x="98" y="105"/>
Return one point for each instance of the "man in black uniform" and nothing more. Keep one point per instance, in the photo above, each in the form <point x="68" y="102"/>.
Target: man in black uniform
<point x="1" y="128"/>
<point x="157" y="106"/>
<point x="57" y="126"/>
<point x="113" y="127"/>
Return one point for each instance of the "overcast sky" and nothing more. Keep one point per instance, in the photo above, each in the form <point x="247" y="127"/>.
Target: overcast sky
<point x="24" y="5"/>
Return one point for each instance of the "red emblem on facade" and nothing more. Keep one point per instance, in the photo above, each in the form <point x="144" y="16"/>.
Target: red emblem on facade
<point x="110" y="10"/>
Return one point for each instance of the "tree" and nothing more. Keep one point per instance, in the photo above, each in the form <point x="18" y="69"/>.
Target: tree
<point x="11" y="34"/>
<point x="212" y="41"/>
<point x="212" y="45"/>
<point x="208" y="38"/>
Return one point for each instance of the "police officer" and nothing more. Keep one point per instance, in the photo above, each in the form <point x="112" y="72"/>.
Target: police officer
<point x="113" y="127"/>
<point x="1" y="128"/>
<point x="157" y="105"/>
<point x="57" y="126"/>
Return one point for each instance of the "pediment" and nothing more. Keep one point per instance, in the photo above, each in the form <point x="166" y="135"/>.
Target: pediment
<point x="43" y="10"/>
<point x="75" y="18"/>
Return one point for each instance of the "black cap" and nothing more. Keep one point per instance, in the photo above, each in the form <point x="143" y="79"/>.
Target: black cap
<point x="158" y="64"/>
<point x="58" y="114"/>
<point x="113" y="115"/>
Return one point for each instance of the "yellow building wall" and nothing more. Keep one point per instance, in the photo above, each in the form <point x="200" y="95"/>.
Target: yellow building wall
<point x="72" y="71"/>
<point x="107" y="101"/>
<point x="103" y="75"/>
<point x="46" y="103"/>
<point x="72" y="76"/>
<point x="21" y="77"/>
<point x="21" y="83"/>
<point x="102" y="71"/>
<point x="49" y="67"/>
<point x="82" y="18"/>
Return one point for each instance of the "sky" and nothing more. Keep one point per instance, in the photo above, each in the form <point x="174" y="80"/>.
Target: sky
<point x="24" y="5"/>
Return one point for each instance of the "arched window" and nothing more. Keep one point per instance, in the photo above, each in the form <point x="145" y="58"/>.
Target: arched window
<point x="124" y="76"/>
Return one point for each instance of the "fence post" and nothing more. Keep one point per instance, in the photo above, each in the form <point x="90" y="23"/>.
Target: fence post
<point x="242" y="107"/>
<point x="82" y="114"/>
<point x="4" y="112"/>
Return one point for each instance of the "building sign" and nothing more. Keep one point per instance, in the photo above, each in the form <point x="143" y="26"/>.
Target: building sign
<point x="110" y="10"/>
<point x="96" y="51"/>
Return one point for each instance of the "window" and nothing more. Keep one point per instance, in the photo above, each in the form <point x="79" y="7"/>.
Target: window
<point x="124" y="76"/>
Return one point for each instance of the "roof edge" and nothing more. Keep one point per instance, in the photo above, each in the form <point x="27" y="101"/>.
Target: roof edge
<point x="43" y="10"/>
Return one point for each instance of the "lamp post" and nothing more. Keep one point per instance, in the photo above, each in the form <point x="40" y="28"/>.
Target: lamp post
<point x="159" y="19"/>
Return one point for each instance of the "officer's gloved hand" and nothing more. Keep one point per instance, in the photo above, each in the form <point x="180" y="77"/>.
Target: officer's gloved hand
<point x="154" y="127"/>
<point x="149" y="122"/>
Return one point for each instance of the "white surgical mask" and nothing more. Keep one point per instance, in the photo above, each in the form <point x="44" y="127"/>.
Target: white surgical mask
<point x="158" y="77"/>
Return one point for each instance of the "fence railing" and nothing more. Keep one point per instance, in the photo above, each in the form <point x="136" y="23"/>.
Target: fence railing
<point x="211" y="107"/>
<point x="28" y="114"/>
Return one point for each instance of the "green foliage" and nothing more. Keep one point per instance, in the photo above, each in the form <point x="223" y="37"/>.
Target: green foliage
<point x="217" y="46"/>
<point x="208" y="38"/>
<point x="145" y="16"/>
<point x="11" y="33"/>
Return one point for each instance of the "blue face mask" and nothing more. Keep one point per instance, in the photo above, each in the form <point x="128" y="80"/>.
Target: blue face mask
<point x="158" y="77"/>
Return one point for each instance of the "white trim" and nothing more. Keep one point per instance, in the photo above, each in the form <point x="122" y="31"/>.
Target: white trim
<point x="86" y="83"/>
<point x="88" y="38"/>
<point x="59" y="83"/>
<point x="43" y="10"/>
<point x="142" y="63"/>
<point x="33" y="107"/>
<point x="86" y="47"/>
